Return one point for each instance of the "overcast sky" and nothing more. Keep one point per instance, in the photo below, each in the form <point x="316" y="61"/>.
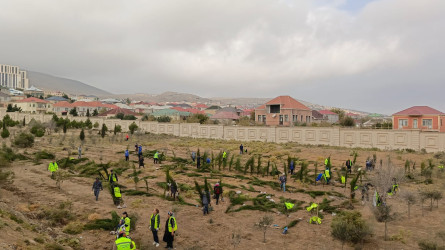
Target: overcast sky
<point x="371" y="55"/>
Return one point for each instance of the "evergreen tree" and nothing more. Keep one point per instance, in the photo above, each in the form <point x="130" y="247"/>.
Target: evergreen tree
<point x="88" y="112"/>
<point x="82" y="135"/>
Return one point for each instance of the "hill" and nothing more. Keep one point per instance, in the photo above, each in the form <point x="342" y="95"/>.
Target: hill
<point x="168" y="96"/>
<point x="49" y="82"/>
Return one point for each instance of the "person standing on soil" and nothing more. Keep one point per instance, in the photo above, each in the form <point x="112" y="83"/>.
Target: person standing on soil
<point x="140" y="151"/>
<point x="141" y="162"/>
<point x="198" y="162"/>
<point x="156" y="157"/>
<point x="173" y="190"/>
<point x="193" y="156"/>
<point x="170" y="227"/>
<point x="283" y="179"/>
<point x="155" y="221"/>
<point x="117" y="197"/>
<point x="79" y="150"/>
<point x="241" y="149"/>
<point x="53" y="167"/>
<point x="349" y="165"/>
<point x="127" y="137"/>
<point x="97" y="187"/>
<point x="127" y="155"/>
<point x="217" y="190"/>
<point x="292" y="167"/>
<point x="112" y="178"/>
<point x="205" y="203"/>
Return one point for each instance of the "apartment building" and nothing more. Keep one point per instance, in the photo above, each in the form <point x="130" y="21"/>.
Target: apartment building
<point x="13" y="77"/>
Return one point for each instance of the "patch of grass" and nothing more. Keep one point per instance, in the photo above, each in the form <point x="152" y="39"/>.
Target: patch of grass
<point x="105" y="224"/>
<point x="326" y="207"/>
<point x="193" y="175"/>
<point x="257" y="182"/>
<point x="53" y="246"/>
<point x="15" y="218"/>
<point x="39" y="240"/>
<point x="73" y="228"/>
<point x="56" y="216"/>
<point x="136" y="193"/>
<point x="292" y="224"/>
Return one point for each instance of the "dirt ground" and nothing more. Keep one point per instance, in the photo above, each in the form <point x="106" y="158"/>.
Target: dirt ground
<point x="34" y="190"/>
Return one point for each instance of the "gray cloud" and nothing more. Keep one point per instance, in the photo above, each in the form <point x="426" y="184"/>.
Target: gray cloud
<point x="383" y="57"/>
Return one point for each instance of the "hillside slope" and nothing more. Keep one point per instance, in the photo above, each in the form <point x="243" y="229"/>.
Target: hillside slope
<point x="49" y="82"/>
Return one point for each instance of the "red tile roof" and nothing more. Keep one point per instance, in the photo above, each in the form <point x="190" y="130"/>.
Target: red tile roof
<point x="118" y="111"/>
<point x="286" y="102"/>
<point x="63" y="104"/>
<point x="327" y="112"/>
<point x="419" y="110"/>
<point x="33" y="99"/>
<point x="225" y="115"/>
<point x="201" y="105"/>
<point x="95" y="104"/>
<point x="190" y="110"/>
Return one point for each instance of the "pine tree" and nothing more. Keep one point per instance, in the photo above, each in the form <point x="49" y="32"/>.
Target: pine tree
<point x="88" y="112"/>
<point x="82" y="135"/>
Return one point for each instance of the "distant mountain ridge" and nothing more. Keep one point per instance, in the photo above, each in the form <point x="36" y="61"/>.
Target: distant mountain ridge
<point x="68" y="86"/>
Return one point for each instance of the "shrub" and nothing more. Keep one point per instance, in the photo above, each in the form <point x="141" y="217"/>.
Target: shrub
<point x="82" y="135"/>
<point x="164" y="118"/>
<point x="105" y="224"/>
<point x="96" y="124"/>
<point x="73" y="228"/>
<point x="349" y="227"/>
<point x="24" y="140"/>
<point x="5" y="133"/>
<point x="132" y="127"/>
<point x="427" y="245"/>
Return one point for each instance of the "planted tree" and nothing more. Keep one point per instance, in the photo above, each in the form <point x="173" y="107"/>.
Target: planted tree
<point x="117" y="129"/>
<point x="258" y="166"/>
<point x="88" y="112"/>
<point x="104" y="130"/>
<point x="82" y="135"/>
<point x="95" y="112"/>
<point x="231" y="162"/>
<point x="5" y="132"/>
<point x="410" y="199"/>
<point x="132" y="127"/>
<point x="349" y="227"/>
<point x="383" y="214"/>
<point x="263" y="224"/>
<point x="73" y="112"/>
<point x="24" y="140"/>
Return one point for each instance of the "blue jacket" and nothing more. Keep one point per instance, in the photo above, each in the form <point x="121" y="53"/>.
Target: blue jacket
<point x="127" y="153"/>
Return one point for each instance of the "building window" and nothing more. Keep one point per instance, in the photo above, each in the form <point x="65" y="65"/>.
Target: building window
<point x="286" y="118"/>
<point x="274" y="109"/>
<point x="415" y="123"/>
<point x="259" y="118"/>
<point x="403" y="123"/>
<point x="264" y="118"/>
<point x="281" y="119"/>
<point x="427" y="123"/>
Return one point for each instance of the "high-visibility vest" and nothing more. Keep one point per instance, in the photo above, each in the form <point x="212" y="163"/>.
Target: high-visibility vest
<point x="343" y="180"/>
<point x="224" y="155"/>
<point x="112" y="177"/>
<point x="326" y="161"/>
<point x="51" y="167"/>
<point x="156" y="226"/>
<point x="156" y="155"/>
<point x="326" y="173"/>
<point x="117" y="192"/>
<point x="56" y="167"/>
<point x="123" y="243"/>
<point x="315" y="219"/>
<point x="170" y="224"/>
<point x="377" y="198"/>
<point x="133" y="245"/>
<point x="127" y="224"/>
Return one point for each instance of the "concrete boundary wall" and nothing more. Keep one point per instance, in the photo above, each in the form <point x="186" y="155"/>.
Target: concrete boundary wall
<point x="330" y="136"/>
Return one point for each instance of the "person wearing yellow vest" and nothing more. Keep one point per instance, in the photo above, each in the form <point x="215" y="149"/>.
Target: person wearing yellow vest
<point x="127" y="221"/>
<point x="156" y="157"/>
<point x="327" y="175"/>
<point x="112" y="178"/>
<point x="155" y="221"/>
<point x="170" y="227"/>
<point x="224" y="155"/>
<point x="53" y="167"/>
<point x="123" y="243"/>
<point x="117" y="196"/>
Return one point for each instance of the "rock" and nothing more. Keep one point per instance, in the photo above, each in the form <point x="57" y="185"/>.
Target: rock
<point x="238" y="192"/>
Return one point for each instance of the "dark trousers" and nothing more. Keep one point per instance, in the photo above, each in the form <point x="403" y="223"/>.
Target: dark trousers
<point x="155" y="160"/>
<point x="96" y="193"/>
<point x="217" y="198"/>
<point x="205" y="209"/>
<point x="170" y="242"/>
<point x="291" y="171"/>
<point x="155" y="236"/>
<point x="127" y="158"/>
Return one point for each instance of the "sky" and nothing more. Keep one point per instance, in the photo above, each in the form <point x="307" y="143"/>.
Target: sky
<point x="370" y="55"/>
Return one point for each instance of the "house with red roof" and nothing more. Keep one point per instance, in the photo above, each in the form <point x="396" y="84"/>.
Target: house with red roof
<point x="62" y="108"/>
<point x="34" y="105"/>
<point x="283" y="111"/>
<point x="419" y="117"/>
<point x="225" y="117"/>
<point x="329" y="116"/>
<point x="114" y="112"/>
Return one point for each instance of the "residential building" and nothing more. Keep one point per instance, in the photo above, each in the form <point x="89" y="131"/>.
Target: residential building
<point x="113" y="112"/>
<point x="225" y="117"/>
<point x="283" y="111"/>
<point x="317" y="117"/>
<point x="62" y="108"/>
<point x="55" y="99"/>
<point x="4" y="97"/>
<point x="53" y="93"/>
<point x="13" y="77"/>
<point x="33" y="91"/>
<point x="174" y="115"/>
<point x="329" y="116"/>
<point x="34" y="105"/>
<point x="419" y="117"/>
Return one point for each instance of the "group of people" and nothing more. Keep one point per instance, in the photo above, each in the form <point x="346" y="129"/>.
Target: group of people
<point x="206" y="200"/>
<point x="124" y="241"/>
